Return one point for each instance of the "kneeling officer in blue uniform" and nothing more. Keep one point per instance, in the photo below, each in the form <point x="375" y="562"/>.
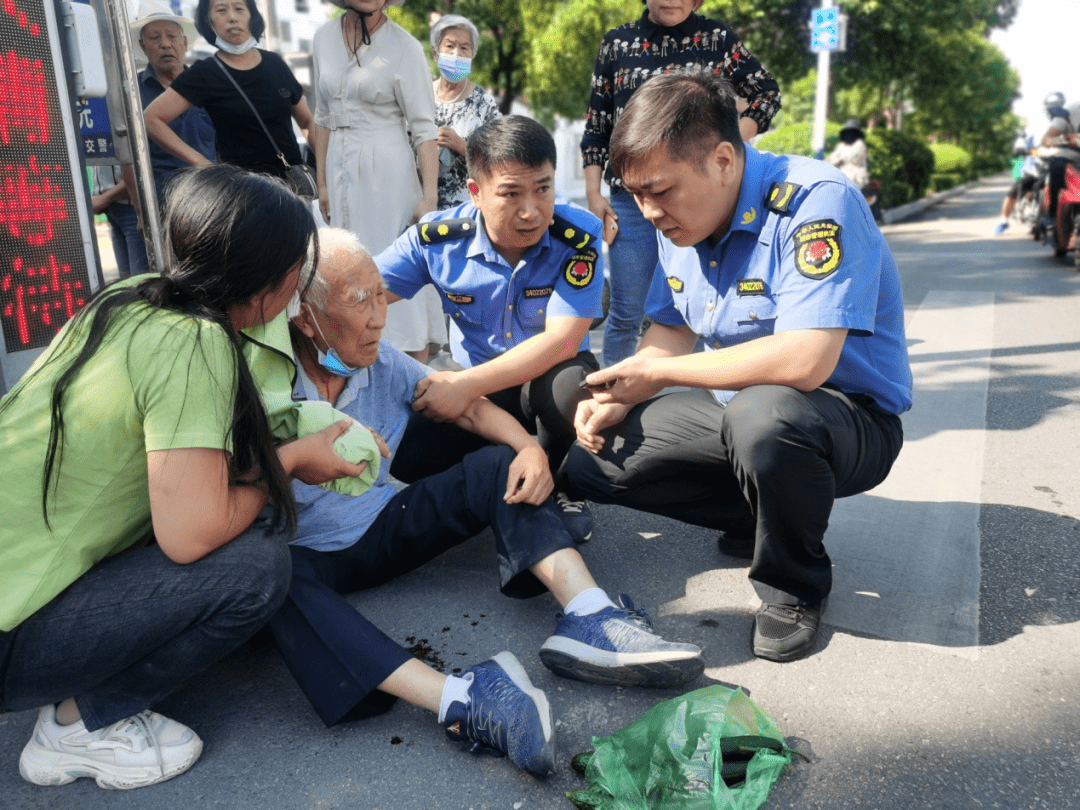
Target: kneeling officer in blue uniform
<point x="520" y="276"/>
<point x="775" y="261"/>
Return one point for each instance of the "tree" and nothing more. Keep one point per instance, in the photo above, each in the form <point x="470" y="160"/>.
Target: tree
<point x="887" y="41"/>
<point x="507" y="31"/>
<point x="564" y="55"/>
<point x="963" y="92"/>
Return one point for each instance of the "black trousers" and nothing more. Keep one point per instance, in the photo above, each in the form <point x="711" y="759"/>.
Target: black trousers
<point x="335" y="654"/>
<point x="1056" y="173"/>
<point x="769" y="465"/>
<point x="545" y="407"/>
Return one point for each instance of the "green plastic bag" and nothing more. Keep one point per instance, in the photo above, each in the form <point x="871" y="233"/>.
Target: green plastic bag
<point x="677" y="754"/>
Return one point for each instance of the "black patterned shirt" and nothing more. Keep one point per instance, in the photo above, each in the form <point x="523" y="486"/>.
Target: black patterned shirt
<point x="641" y="49"/>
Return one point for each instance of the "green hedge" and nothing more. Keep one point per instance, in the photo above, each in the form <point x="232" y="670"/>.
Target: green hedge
<point x="794" y="139"/>
<point x="942" y="181"/>
<point x="982" y="165"/>
<point x="902" y="162"/>
<point x="950" y="158"/>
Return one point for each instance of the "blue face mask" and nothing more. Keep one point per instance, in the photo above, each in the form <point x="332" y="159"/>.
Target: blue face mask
<point x="335" y="365"/>
<point x="330" y="360"/>
<point x="454" y="68"/>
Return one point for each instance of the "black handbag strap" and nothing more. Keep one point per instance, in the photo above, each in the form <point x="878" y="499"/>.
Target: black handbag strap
<point x="243" y="95"/>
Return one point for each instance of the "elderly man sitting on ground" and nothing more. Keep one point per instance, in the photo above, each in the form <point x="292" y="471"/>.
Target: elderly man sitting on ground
<point x="345" y="665"/>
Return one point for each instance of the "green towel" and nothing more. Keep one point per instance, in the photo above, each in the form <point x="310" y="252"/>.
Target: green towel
<point x="268" y="350"/>
<point x="354" y="446"/>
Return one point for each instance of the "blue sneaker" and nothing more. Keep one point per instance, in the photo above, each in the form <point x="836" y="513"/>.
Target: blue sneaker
<point x="577" y="517"/>
<point x="617" y="645"/>
<point x="999" y="229"/>
<point x="505" y="714"/>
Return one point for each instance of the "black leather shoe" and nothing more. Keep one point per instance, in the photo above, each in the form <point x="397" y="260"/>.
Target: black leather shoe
<point x="786" y="632"/>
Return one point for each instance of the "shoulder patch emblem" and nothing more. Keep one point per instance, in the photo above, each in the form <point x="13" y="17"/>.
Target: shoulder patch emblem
<point x="750" y="286"/>
<point x="569" y="233"/>
<point x="538" y="292"/>
<point x="675" y="283"/>
<point x="818" y="249"/>
<point x="444" y="230"/>
<point x="458" y="298"/>
<point x="780" y="196"/>
<point x="581" y="268"/>
<point x="749" y="216"/>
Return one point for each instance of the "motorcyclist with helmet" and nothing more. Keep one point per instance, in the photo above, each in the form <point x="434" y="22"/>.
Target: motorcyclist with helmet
<point x="1061" y="144"/>
<point x="1024" y="175"/>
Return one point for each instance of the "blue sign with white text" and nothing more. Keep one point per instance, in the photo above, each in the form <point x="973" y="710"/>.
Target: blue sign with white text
<point x="94" y="127"/>
<point x="824" y="30"/>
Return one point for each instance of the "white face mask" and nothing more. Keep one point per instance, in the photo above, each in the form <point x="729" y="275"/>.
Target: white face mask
<point x="236" y="50"/>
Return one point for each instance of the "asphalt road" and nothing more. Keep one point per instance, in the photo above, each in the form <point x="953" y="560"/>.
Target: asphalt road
<point x="948" y="672"/>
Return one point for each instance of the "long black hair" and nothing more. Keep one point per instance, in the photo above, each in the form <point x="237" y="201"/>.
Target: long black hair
<point x="233" y="236"/>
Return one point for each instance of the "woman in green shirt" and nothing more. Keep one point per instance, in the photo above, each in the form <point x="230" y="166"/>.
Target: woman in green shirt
<point x="141" y="420"/>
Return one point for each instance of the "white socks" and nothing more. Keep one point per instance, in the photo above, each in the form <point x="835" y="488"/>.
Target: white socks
<point x="589" y="601"/>
<point x="455" y="689"/>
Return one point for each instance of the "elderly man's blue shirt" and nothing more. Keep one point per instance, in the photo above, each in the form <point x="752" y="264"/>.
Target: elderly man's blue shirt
<point x="493" y="306"/>
<point x="802" y="252"/>
<point x="378" y="397"/>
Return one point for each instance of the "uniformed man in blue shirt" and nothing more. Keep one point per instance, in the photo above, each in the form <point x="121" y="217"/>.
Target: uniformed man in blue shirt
<point x="521" y="277"/>
<point x="775" y="261"/>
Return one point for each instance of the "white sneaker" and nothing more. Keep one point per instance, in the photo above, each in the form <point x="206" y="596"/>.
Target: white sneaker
<point x="142" y="750"/>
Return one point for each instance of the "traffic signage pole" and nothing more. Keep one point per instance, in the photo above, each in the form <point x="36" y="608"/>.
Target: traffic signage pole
<point x="824" y="39"/>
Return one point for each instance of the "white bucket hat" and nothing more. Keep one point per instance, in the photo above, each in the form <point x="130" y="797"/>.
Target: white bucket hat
<point x="160" y="11"/>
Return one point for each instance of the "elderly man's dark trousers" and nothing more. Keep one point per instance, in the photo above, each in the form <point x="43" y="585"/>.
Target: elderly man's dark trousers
<point x="338" y="657"/>
<point x="545" y="407"/>
<point x="769" y="465"/>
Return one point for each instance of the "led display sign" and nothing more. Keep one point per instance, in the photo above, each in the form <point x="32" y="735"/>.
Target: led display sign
<point x="44" y="277"/>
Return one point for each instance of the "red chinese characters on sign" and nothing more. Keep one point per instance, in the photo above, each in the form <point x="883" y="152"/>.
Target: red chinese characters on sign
<point x="43" y="273"/>
<point x="22" y="99"/>
<point x="9" y="8"/>
<point x="30" y="202"/>
<point x="60" y="296"/>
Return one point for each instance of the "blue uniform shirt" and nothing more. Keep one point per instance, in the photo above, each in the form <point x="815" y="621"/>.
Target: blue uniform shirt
<point x="193" y="127"/>
<point x="802" y="252"/>
<point x="493" y="306"/>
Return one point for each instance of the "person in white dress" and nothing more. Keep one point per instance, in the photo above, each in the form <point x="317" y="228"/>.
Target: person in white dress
<point x="374" y="109"/>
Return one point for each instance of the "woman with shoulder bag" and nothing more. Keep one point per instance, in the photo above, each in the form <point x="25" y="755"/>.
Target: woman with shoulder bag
<point x="251" y="96"/>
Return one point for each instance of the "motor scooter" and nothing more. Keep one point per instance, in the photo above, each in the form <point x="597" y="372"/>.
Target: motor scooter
<point x="1060" y="232"/>
<point x="1026" y="212"/>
